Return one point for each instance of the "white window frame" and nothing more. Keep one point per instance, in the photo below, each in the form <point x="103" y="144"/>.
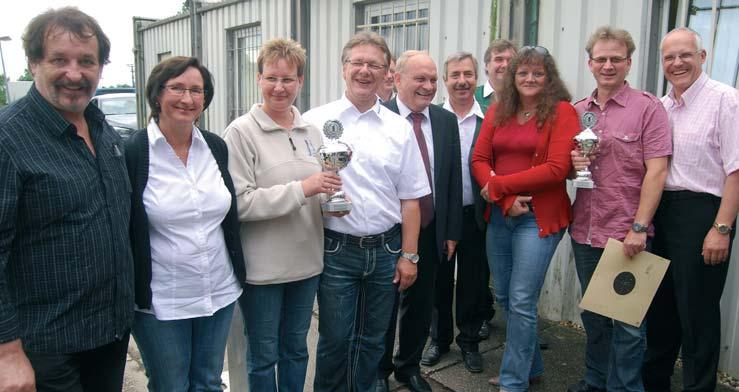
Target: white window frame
<point x="243" y="45"/>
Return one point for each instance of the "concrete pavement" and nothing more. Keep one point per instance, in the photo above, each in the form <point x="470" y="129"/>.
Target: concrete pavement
<point x="563" y="363"/>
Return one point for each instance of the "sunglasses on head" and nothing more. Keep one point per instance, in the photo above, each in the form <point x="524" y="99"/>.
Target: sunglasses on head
<point x="538" y="49"/>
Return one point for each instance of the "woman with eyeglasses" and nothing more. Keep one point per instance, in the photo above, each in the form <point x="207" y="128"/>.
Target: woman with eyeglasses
<point x="188" y="261"/>
<point x="521" y="161"/>
<point x="278" y="185"/>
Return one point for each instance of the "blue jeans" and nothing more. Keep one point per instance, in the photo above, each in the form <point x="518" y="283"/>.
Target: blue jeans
<point x="183" y="355"/>
<point x="355" y="301"/>
<point x="519" y="260"/>
<point x="614" y="350"/>
<point x="276" y="322"/>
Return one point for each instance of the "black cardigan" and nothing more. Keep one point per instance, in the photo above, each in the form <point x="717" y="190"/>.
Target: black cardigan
<point x="137" y="160"/>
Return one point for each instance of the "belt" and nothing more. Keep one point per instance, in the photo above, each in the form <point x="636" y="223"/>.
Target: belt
<point x="685" y="195"/>
<point x="469" y="209"/>
<point x="366" y="242"/>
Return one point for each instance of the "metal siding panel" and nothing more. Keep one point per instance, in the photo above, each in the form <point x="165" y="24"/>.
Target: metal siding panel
<point x="730" y="317"/>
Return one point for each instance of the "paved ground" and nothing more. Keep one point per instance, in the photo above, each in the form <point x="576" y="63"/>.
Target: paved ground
<point x="563" y="362"/>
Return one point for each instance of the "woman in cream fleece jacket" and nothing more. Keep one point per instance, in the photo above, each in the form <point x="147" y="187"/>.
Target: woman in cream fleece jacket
<point x="278" y="182"/>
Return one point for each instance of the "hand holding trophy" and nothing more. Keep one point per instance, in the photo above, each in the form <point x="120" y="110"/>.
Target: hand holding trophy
<point x="587" y="142"/>
<point x="334" y="156"/>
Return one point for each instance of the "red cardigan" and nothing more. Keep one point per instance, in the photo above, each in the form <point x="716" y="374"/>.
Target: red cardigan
<point x="544" y="181"/>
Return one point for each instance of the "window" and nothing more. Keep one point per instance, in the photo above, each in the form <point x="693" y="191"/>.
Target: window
<point x="403" y="23"/>
<point x="163" y="56"/>
<point x="243" y="49"/>
<point x="718" y="25"/>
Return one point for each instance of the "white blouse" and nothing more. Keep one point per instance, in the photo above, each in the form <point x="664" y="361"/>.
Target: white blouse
<point x="191" y="272"/>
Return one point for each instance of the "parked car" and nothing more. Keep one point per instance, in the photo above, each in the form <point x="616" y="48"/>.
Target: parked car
<point x="119" y="110"/>
<point x="114" y="90"/>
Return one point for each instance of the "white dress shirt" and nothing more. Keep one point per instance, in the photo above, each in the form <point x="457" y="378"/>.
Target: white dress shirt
<point x="428" y="135"/>
<point x="705" y="136"/>
<point x="191" y="272"/>
<point x="467" y="125"/>
<point x="487" y="89"/>
<point x="386" y="166"/>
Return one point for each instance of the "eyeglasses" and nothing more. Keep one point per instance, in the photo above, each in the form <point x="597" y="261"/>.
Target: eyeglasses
<point x="361" y="64"/>
<point x="195" y="92"/>
<point x="614" y="60"/>
<point x="687" y="56"/>
<point x="285" y="81"/>
<point x="538" y="49"/>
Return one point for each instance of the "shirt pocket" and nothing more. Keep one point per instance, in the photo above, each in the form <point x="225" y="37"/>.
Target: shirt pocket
<point x="627" y="144"/>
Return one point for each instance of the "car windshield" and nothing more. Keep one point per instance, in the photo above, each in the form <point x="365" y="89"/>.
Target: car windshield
<point x="125" y="105"/>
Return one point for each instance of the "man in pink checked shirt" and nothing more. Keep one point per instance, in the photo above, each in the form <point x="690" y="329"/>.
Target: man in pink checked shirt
<point x="629" y="171"/>
<point x="695" y="218"/>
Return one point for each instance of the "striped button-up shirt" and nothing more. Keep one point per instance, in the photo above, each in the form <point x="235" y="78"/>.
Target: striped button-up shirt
<point x="705" y="129"/>
<point x="66" y="273"/>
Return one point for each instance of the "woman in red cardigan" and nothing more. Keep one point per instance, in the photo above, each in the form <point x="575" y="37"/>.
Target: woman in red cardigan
<point x="521" y="160"/>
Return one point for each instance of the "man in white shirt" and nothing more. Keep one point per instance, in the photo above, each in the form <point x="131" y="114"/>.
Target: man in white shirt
<point x="695" y="218"/>
<point x="472" y="304"/>
<point x="373" y="251"/>
<point x="497" y="56"/>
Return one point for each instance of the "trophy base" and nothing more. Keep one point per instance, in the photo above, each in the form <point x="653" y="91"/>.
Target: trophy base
<point x="583" y="183"/>
<point x="337" y="206"/>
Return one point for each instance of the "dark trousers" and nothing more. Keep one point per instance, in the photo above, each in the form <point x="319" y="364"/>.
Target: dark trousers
<point x="96" y="370"/>
<point x="412" y="313"/>
<point x="685" y="312"/>
<point x="473" y="304"/>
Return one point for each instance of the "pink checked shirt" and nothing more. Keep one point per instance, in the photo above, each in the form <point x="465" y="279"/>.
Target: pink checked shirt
<point x="632" y="128"/>
<point x="705" y="125"/>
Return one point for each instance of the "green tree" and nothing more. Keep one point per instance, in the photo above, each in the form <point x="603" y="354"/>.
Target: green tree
<point x="27" y="76"/>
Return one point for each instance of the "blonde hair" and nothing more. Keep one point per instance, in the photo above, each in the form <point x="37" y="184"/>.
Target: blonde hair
<point x="281" y="48"/>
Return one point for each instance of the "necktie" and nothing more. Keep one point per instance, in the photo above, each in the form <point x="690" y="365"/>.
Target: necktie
<point x="426" y="202"/>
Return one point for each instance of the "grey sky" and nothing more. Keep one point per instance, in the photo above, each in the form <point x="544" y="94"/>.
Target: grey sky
<point x="115" y="17"/>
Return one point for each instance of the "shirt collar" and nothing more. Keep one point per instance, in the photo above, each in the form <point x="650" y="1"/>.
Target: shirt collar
<point x="621" y="98"/>
<point x="157" y="137"/>
<point x="487" y="89"/>
<point x="346" y="105"/>
<point x="689" y="95"/>
<point x="475" y="111"/>
<point x="54" y="121"/>
<point x="268" y="124"/>
<point x="404" y="111"/>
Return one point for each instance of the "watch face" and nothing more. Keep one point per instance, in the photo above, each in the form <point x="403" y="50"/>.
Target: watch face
<point x="723" y="229"/>
<point x="638" y="228"/>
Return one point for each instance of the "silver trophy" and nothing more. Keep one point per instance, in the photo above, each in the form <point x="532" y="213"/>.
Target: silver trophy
<point x="587" y="141"/>
<point x="334" y="156"/>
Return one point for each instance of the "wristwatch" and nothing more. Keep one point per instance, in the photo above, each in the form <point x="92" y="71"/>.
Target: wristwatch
<point x="637" y="227"/>
<point x="412" y="257"/>
<point x="722" y="228"/>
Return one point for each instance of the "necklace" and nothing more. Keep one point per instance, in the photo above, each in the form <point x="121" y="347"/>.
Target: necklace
<point x="526" y="114"/>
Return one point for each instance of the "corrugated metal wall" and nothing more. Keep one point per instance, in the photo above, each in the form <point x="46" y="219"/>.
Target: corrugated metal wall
<point x="454" y="26"/>
<point x="273" y="16"/>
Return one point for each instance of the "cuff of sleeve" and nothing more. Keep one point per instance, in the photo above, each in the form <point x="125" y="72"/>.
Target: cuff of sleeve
<point x="298" y="190"/>
<point x="9" y="330"/>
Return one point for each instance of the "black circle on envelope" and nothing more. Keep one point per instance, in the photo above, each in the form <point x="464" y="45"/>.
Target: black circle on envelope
<point x="624" y="283"/>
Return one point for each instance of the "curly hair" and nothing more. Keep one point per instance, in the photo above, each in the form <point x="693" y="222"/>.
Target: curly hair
<point x="509" y="101"/>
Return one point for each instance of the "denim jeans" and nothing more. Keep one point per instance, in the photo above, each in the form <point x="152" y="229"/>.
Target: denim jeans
<point x="519" y="260"/>
<point x="276" y="322"/>
<point x="183" y="355"/>
<point x="614" y="350"/>
<point x="355" y="301"/>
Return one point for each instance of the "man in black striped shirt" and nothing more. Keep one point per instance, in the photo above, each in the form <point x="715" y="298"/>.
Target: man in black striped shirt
<point x="66" y="292"/>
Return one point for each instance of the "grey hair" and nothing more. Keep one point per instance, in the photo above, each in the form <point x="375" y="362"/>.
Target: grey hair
<point x="458" y="57"/>
<point x="696" y="36"/>
<point x="404" y="57"/>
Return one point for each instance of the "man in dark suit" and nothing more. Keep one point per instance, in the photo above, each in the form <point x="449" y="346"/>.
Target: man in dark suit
<point x="472" y="304"/>
<point x="441" y="214"/>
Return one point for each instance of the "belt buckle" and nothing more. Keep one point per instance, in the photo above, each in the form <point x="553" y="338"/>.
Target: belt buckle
<point x="361" y="242"/>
